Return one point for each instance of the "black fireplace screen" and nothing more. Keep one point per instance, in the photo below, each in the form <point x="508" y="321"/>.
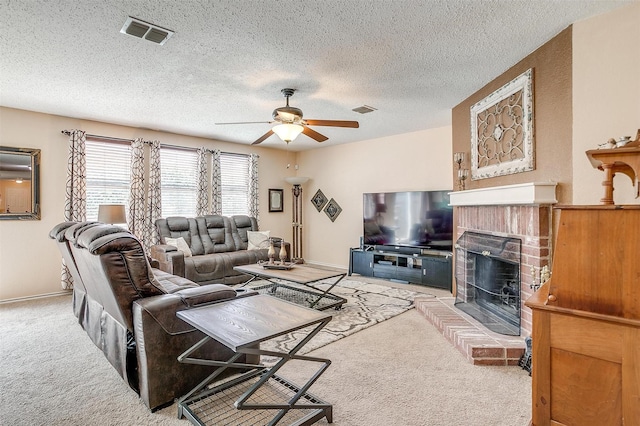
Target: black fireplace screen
<point x="488" y="280"/>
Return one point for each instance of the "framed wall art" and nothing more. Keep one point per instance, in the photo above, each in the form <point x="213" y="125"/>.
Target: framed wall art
<point x="319" y="200"/>
<point x="332" y="209"/>
<point x="275" y="200"/>
<point x="502" y="130"/>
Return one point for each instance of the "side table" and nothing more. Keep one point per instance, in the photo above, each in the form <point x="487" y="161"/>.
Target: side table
<point x="257" y="395"/>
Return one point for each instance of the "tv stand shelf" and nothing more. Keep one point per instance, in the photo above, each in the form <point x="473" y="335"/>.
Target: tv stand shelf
<point x="431" y="269"/>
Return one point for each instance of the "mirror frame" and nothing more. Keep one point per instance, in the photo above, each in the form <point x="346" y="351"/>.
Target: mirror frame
<point x="34" y="214"/>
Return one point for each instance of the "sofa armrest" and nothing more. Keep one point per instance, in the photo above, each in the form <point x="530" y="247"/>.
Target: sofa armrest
<point x="169" y="259"/>
<point x="163" y="308"/>
<point x="161" y="337"/>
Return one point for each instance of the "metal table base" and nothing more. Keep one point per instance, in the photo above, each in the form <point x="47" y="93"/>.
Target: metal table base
<point x="258" y="396"/>
<point x="301" y="296"/>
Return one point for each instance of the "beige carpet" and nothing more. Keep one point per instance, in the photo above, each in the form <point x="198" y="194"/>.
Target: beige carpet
<point x="398" y="372"/>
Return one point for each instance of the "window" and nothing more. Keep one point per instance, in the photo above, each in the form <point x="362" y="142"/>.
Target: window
<point x="109" y="176"/>
<point x="108" y="167"/>
<point x="234" y="171"/>
<point x="179" y="177"/>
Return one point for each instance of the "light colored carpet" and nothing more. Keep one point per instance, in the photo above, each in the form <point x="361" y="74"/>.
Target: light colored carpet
<point x="398" y="372"/>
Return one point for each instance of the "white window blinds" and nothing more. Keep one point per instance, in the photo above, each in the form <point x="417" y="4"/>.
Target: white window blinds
<point x="234" y="171"/>
<point x="179" y="175"/>
<point x="108" y="167"/>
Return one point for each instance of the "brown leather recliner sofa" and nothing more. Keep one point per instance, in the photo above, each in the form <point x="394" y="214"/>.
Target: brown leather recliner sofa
<point x="128" y="309"/>
<point x="217" y="244"/>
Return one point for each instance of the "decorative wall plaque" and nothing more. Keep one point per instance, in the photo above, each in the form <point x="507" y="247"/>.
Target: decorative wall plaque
<point x="502" y="130"/>
<point x="332" y="210"/>
<point x="319" y="200"/>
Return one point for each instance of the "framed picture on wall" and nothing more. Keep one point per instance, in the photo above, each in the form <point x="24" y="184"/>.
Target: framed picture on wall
<point x="275" y="200"/>
<point x="502" y="130"/>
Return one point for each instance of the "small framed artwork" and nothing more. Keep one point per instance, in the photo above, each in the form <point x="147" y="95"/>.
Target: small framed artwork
<point x="332" y="210"/>
<point x="275" y="201"/>
<point x="319" y="200"/>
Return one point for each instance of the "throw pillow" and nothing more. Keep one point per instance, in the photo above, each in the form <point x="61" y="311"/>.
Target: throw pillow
<point x="180" y="244"/>
<point x="258" y="240"/>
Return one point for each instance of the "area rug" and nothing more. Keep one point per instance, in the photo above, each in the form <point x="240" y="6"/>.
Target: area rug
<point x="367" y="304"/>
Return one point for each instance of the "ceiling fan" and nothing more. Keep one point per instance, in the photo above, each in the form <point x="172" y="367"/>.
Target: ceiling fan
<point x="291" y="124"/>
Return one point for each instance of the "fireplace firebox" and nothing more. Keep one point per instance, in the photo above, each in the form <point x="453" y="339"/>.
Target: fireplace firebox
<point x="488" y="280"/>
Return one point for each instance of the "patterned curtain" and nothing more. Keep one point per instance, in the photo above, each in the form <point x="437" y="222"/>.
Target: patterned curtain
<point x="216" y="183"/>
<point x="145" y="202"/>
<point x="254" y="205"/>
<point x="154" y="197"/>
<point x="202" y="202"/>
<point x="137" y="191"/>
<point x="75" y="208"/>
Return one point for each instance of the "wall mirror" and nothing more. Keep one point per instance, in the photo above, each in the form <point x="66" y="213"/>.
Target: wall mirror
<point x="19" y="183"/>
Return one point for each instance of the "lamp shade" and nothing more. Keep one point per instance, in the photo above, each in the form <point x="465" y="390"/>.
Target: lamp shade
<point x="287" y="131"/>
<point x="112" y="213"/>
<point x="296" y="180"/>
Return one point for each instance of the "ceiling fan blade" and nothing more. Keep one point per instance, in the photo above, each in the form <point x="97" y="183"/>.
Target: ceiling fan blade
<point x="263" y="137"/>
<point x="313" y="134"/>
<point x="247" y="122"/>
<point x="333" y="123"/>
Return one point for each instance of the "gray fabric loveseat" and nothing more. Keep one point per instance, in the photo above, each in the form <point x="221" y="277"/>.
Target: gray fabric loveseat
<point x="214" y="245"/>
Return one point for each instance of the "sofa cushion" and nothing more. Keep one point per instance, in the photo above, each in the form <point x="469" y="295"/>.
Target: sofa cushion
<point x="206" y="267"/>
<point x="257" y="240"/>
<point x="185" y="227"/>
<point x="215" y="233"/>
<point x="240" y="224"/>
<point x="170" y="283"/>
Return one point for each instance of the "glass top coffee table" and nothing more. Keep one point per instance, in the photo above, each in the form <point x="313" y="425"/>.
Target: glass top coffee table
<point x="307" y="293"/>
<point x="258" y="396"/>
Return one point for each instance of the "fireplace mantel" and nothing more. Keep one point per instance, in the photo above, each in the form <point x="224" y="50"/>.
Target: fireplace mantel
<point x="534" y="193"/>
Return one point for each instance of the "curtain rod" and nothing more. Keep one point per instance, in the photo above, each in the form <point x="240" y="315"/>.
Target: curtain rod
<point x="120" y="140"/>
<point x="107" y="138"/>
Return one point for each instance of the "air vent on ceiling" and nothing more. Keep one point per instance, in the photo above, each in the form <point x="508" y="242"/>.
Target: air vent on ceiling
<point x="145" y="30"/>
<point x="364" y="109"/>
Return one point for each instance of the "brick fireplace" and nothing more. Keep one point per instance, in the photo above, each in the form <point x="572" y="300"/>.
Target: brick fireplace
<point x="522" y="212"/>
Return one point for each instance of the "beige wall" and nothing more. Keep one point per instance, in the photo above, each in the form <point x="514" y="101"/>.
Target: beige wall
<point x="606" y="96"/>
<point x="586" y="90"/>
<point x="551" y="64"/>
<point x="29" y="260"/>
<point x="407" y="162"/>
<point x="414" y="161"/>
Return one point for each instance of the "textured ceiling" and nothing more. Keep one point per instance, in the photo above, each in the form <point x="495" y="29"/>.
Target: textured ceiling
<point x="229" y="59"/>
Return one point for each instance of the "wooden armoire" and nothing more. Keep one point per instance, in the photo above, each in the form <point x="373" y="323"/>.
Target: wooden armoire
<point x="586" y="321"/>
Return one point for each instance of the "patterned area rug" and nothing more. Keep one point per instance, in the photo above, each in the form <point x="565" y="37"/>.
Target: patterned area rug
<point x="367" y="304"/>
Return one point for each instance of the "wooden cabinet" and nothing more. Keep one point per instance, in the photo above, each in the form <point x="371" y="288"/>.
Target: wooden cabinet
<point x="586" y="321"/>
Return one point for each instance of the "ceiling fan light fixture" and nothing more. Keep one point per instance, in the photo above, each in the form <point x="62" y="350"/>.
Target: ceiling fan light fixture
<point x="288" y="131"/>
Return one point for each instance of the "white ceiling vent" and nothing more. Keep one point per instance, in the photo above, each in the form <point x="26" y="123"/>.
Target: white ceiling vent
<point x="364" y="109"/>
<point x="145" y="30"/>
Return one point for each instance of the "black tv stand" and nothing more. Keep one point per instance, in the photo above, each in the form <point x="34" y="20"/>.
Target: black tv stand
<point x="404" y="264"/>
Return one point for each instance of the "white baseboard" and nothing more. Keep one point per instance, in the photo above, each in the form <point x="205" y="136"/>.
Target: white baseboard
<point x="325" y="265"/>
<point x="40" y="296"/>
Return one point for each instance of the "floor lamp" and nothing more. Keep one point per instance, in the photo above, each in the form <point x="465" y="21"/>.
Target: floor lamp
<point x="296" y="244"/>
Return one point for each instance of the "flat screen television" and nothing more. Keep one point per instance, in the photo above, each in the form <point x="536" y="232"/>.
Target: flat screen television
<point x="421" y="219"/>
